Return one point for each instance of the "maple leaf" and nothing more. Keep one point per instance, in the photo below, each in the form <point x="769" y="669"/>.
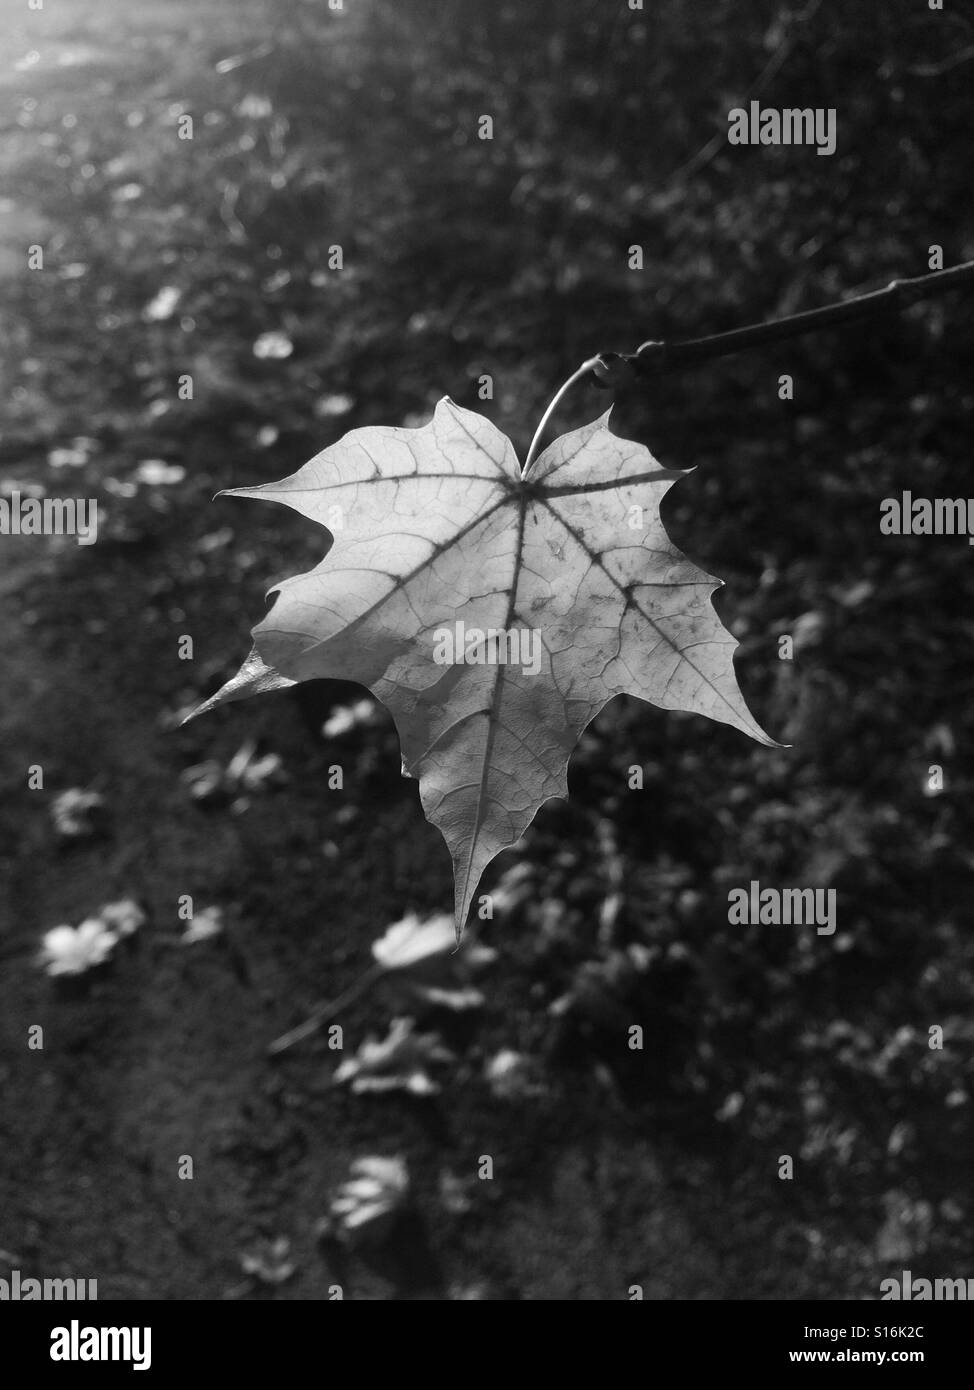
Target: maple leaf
<point x="444" y="541"/>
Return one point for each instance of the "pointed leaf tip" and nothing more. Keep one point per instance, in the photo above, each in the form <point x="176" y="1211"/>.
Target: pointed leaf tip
<point x="253" y="678"/>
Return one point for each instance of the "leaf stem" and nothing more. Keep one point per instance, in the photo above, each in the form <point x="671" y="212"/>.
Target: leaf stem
<point x="582" y="371"/>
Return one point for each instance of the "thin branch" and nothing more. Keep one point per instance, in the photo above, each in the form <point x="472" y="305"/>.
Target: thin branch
<point x="704" y="155"/>
<point x="656" y="358"/>
<point x="324" y="1012"/>
<point x="938" y="69"/>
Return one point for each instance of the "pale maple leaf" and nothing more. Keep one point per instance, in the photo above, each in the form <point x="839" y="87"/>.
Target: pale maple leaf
<point x="439" y="528"/>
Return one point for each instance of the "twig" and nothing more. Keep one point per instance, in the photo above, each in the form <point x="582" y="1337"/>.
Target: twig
<point x="228" y="212"/>
<point x="324" y="1012"/>
<point x="704" y="155"/>
<point x="658" y="358"/>
<point x="948" y="64"/>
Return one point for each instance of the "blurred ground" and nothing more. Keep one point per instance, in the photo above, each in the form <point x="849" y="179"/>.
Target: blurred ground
<point x="357" y="128"/>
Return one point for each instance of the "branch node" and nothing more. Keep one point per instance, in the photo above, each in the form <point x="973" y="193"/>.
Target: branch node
<point x="613" y="370"/>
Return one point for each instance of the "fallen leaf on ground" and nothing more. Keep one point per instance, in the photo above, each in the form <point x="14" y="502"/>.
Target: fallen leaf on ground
<point x="367" y="1203"/>
<point x="70" y="950"/>
<point x="399" y="1062"/>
